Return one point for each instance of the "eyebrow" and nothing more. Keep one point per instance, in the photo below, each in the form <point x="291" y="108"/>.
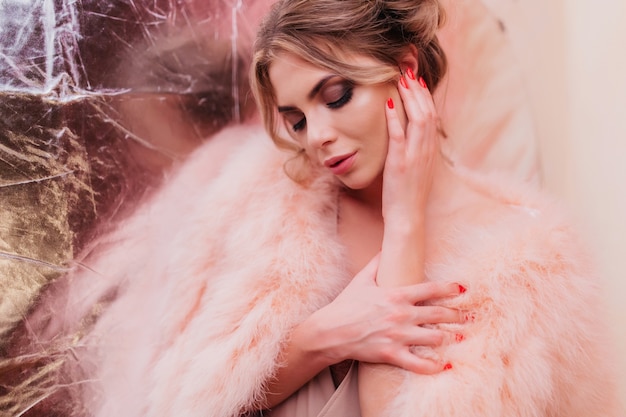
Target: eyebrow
<point x="316" y="88"/>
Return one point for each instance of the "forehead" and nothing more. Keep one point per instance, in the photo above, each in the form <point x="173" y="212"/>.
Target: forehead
<point x="292" y="76"/>
<point x="287" y="65"/>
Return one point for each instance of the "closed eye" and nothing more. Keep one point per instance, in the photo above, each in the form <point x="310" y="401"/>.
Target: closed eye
<point x="344" y="99"/>
<point x="294" y="119"/>
<point x="335" y="95"/>
<point x="299" y="126"/>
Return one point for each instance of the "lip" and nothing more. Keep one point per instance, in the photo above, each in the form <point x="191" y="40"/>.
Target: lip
<point x="343" y="163"/>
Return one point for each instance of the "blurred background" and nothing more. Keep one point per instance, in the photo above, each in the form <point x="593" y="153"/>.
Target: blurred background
<point x="573" y="57"/>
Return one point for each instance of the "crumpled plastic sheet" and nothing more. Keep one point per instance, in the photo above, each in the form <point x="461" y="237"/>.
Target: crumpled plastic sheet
<point x="98" y="99"/>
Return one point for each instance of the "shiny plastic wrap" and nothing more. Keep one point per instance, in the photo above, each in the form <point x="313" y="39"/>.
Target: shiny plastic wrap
<point x="99" y="99"/>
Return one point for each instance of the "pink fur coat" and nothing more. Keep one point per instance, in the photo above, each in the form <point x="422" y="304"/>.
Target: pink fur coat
<point x="207" y="279"/>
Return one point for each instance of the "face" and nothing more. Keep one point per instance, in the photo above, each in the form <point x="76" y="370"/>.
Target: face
<point x="341" y="126"/>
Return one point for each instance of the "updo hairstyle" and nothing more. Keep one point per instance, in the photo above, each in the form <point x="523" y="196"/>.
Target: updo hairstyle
<point x="326" y="32"/>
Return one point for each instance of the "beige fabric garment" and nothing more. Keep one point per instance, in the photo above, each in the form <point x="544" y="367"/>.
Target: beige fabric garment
<point x="318" y="398"/>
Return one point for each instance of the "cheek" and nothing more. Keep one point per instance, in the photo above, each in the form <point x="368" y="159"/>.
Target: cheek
<point x="368" y="116"/>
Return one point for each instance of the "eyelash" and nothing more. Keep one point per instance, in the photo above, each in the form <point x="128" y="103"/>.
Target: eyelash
<point x="298" y="126"/>
<point x="347" y="96"/>
<point x="343" y="100"/>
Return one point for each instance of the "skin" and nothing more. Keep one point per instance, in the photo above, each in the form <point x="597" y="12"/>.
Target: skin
<point x="375" y="319"/>
<point x="326" y="131"/>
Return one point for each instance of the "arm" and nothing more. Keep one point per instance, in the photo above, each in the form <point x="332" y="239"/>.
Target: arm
<point x="409" y="168"/>
<point x="373" y="320"/>
<point x="406" y="184"/>
<point x="365" y="322"/>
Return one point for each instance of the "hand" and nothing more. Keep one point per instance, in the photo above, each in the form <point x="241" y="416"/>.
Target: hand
<point x="407" y="179"/>
<point x="411" y="154"/>
<point x="379" y="325"/>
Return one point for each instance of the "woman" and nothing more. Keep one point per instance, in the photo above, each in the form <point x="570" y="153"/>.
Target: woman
<point x="321" y="90"/>
<point x="266" y="287"/>
<point x="335" y="123"/>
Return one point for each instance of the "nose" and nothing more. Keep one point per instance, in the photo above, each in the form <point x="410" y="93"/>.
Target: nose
<point x="320" y="131"/>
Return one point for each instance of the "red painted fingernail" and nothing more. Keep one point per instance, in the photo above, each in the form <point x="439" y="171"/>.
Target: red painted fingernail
<point x="447" y="366"/>
<point x="403" y="82"/>
<point x="409" y="73"/>
<point x="423" y="83"/>
<point x="390" y="103"/>
<point x="462" y="289"/>
<point x="459" y="337"/>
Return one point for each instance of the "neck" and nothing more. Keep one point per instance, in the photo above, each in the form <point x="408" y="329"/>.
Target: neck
<point x="445" y="185"/>
<point x="371" y="196"/>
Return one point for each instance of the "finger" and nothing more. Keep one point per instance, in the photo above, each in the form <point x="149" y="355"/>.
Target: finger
<point x="422" y="118"/>
<point x="413" y="98"/>
<point x="422" y="141"/>
<point x="406" y="360"/>
<point x="419" y="293"/>
<point x="438" y="315"/>
<point x="397" y="142"/>
<point x="420" y="91"/>
<point x="423" y="336"/>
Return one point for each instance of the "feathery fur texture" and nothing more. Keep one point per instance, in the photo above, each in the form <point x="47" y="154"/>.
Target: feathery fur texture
<point x="204" y="283"/>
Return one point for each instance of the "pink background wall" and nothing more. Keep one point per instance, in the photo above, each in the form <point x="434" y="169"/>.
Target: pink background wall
<point x="573" y="55"/>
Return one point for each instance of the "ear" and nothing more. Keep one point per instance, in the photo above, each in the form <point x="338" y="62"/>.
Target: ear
<point x="408" y="59"/>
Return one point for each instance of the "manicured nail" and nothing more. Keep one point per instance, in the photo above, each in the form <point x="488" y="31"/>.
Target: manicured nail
<point x="470" y="316"/>
<point x="409" y="73"/>
<point x="390" y="103"/>
<point x="447" y="366"/>
<point x="462" y="289"/>
<point x="459" y="337"/>
<point x="423" y="83"/>
<point x="403" y="82"/>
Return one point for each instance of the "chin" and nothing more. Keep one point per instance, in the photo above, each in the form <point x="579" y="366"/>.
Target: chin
<point x="357" y="182"/>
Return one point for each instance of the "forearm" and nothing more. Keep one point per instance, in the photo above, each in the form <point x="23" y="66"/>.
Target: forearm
<point x="402" y="255"/>
<point x="402" y="263"/>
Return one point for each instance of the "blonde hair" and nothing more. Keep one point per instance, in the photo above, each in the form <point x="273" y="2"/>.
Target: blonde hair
<point x="324" y="32"/>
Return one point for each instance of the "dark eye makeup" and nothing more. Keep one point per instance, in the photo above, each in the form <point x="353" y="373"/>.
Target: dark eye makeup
<point x="335" y="96"/>
<point x="299" y="126"/>
<point x="338" y="95"/>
